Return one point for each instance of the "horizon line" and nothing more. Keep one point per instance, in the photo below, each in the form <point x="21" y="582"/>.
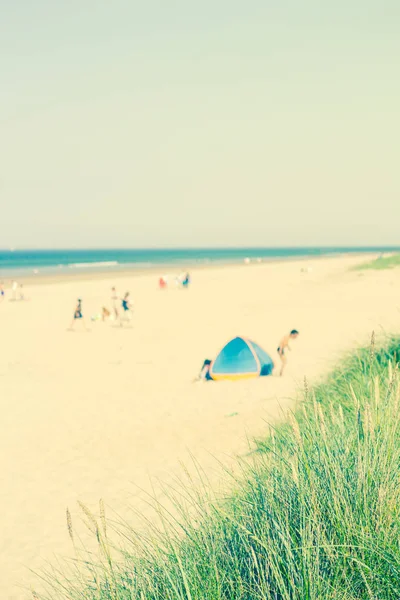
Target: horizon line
<point x="228" y="247"/>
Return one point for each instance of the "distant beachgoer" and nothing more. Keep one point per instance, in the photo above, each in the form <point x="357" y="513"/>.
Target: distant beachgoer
<point x="186" y="280"/>
<point x="14" y="288"/>
<point x="204" y="374"/>
<point x="78" y="315"/>
<point x="2" y="292"/>
<point x="114" y="302"/>
<point x="126" y="308"/>
<point x="105" y="313"/>
<point x="21" y="292"/>
<point x="284" y="345"/>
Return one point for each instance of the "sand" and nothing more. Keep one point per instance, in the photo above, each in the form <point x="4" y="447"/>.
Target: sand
<point x="93" y="415"/>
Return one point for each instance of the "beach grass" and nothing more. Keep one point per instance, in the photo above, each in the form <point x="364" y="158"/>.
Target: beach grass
<point x="314" y="516"/>
<point x="381" y="263"/>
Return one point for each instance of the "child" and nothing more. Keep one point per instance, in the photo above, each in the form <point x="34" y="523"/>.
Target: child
<point x="284" y="344"/>
<point x="105" y="313"/>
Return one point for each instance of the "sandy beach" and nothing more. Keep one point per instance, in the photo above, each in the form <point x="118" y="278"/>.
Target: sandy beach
<point x="95" y="415"/>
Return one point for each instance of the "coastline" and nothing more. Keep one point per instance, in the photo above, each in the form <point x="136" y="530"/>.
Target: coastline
<point x="102" y="273"/>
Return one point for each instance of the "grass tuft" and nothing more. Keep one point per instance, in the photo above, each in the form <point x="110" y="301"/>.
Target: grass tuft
<point x="381" y="263"/>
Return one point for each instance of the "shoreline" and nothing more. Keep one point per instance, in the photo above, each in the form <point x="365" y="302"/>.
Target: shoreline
<point x="102" y="274"/>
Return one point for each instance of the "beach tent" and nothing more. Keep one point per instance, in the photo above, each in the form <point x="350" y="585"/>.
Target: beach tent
<point x="241" y="359"/>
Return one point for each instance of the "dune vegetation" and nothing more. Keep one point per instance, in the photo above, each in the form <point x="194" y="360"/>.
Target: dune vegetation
<point x="314" y="515"/>
<point x="381" y="263"/>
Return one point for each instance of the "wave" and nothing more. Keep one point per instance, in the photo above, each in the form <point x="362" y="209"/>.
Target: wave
<point x="93" y="265"/>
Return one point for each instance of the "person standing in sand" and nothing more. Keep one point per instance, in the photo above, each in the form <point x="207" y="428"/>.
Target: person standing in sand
<point x="126" y="308"/>
<point x="114" y="302"/>
<point x="78" y="315"/>
<point x="14" y="288"/>
<point x="21" y="292"/>
<point x="2" y="292"/>
<point x="284" y="345"/>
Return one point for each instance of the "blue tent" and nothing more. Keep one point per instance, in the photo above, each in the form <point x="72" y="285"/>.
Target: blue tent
<point x="241" y="359"/>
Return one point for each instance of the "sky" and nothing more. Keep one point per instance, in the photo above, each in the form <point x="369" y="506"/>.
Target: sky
<point x="212" y="123"/>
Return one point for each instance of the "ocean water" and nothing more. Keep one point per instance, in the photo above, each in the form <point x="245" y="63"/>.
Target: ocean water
<point x="41" y="262"/>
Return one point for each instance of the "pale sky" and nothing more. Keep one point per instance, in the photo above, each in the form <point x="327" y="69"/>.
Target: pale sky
<point x="215" y="122"/>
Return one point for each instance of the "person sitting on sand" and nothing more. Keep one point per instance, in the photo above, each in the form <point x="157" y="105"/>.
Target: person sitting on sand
<point x="78" y="315"/>
<point x="204" y="374"/>
<point x="284" y="345"/>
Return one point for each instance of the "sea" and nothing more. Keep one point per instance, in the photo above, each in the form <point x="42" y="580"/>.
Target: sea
<point x="15" y="262"/>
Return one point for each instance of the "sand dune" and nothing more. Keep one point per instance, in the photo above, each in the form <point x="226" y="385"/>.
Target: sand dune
<point x="93" y="415"/>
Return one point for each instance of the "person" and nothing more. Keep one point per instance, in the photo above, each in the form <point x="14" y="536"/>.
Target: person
<point x="284" y="345"/>
<point x="126" y="307"/>
<point x="204" y="374"/>
<point x="14" y="288"/>
<point x="21" y="292"/>
<point x="2" y="292"/>
<point x="186" y="281"/>
<point x="78" y="315"/>
<point x="105" y="313"/>
<point x="114" y="302"/>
